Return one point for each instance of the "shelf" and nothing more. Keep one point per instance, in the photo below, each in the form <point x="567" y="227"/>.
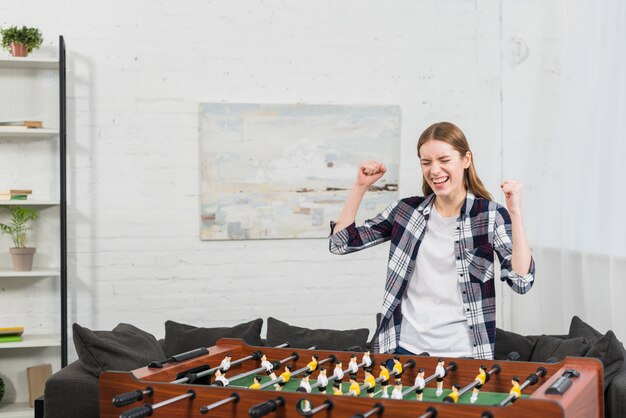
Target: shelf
<point x="32" y="63"/>
<point x="16" y="410"/>
<point x="33" y="202"/>
<point x="35" y="340"/>
<point x="7" y="132"/>
<point x="33" y="273"/>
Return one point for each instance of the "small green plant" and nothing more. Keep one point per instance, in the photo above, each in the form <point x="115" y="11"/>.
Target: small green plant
<point x="31" y="38"/>
<point x="18" y="225"/>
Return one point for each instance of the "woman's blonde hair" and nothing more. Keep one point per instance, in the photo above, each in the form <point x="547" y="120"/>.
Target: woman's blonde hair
<point x="451" y="134"/>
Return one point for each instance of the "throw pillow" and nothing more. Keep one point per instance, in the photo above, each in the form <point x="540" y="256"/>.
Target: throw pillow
<point x="507" y="341"/>
<point x="180" y="338"/>
<point x="124" y="348"/>
<point x="553" y="346"/>
<point x="579" y="328"/>
<point x="279" y="332"/>
<point x="611" y="353"/>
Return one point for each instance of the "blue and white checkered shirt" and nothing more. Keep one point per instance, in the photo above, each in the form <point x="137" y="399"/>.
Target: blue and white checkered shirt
<point x="483" y="227"/>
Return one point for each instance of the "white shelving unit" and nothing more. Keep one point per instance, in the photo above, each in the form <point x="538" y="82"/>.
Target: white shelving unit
<point x="34" y="89"/>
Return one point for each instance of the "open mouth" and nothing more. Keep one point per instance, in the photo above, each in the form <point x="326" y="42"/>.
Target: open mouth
<point x="440" y="182"/>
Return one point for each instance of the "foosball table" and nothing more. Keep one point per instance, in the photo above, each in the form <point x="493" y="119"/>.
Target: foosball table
<point x="233" y="380"/>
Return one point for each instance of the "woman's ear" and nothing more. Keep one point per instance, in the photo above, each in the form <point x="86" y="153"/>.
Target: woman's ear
<point x="467" y="160"/>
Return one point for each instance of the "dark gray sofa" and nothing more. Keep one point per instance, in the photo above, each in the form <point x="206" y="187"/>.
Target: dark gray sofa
<point x="73" y="391"/>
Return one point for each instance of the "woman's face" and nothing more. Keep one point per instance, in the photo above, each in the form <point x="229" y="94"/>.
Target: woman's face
<point x="443" y="167"/>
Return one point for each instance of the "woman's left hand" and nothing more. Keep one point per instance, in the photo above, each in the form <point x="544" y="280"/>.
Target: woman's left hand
<point x="513" y="193"/>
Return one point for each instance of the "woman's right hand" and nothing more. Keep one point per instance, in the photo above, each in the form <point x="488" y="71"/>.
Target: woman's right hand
<point x="369" y="173"/>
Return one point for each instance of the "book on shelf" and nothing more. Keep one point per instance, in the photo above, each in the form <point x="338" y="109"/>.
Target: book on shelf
<point x="16" y="191"/>
<point x="11" y="330"/>
<point x="37" y="376"/>
<point x="13" y="196"/>
<point x="10" y="338"/>
<point x="25" y="124"/>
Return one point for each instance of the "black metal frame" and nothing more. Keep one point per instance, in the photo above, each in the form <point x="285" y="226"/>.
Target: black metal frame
<point x="63" y="188"/>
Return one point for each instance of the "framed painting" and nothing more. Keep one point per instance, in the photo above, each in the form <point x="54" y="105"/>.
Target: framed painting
<point x="273" y="171"/>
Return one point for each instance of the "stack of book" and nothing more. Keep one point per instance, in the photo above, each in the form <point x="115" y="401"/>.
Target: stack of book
<point x="11" y="334"/>
<point x="13" y="194"/>
<point x="26" y="124"/>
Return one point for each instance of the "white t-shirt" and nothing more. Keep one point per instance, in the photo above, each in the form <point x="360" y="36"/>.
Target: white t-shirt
<point x="432" y="305"/>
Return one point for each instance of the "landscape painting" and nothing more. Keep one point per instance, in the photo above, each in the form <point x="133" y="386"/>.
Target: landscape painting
<point x="271" y="171"/>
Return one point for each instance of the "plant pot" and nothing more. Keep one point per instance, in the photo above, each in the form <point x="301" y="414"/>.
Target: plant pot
<point x="22" y="258"/>
<point x="18" y="50"/>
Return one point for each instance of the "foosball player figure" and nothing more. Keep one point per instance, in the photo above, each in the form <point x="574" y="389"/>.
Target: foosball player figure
<point x="384" y="374"/>
<point x="396" y="393"/>
<point x="480" y="378"/>
<point x="453" y="397"/>
<point x="515" y="390"/>
<point x="284" y="378"/>
<point x="397" y="366"/>
<point x="268" y="366"/>
<point x="305" y="405"/>
<point x="256" y="383"/>
<point x="313" y="363"/>
<point x="355" y="388"/>
<point x="366" y="360"/>
<point x="338" y="372"/>
<point x="370" y="382"/>
<point x="322" y="380"/>
<point x="420" y="383"/>
<point x="225" y="364"/>
<point x="440" y="371"/>
<point x="337" y="388"/>
<point x="353" y="366"/>
<point x="220" y="378"/>
<point x="304" y="382"/>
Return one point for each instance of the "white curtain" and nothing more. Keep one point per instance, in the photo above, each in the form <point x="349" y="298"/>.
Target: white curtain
<point x="578" y="178"/>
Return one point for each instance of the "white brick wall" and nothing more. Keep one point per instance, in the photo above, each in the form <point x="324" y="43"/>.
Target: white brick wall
<point x="137" y="71"/>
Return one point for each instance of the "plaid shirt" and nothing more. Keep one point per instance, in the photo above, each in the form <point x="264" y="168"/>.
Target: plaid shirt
<point x="483" y="227"/>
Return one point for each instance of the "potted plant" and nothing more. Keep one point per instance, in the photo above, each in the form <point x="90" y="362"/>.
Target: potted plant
<point x="21" y="41"/>
<point x="18" y="225"/>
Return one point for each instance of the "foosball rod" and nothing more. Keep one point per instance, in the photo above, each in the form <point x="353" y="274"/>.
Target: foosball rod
<point x="378" y="409"/>
<point x="494" y="369"/>
<point x="293" y="356"/>
<point x="234" y="398"/>
<point x="297" y="372"/>
<point x="327" y="404"/>
<point x="254" y="356"/>
<point x="431" y="412"/>
<point x="147" y="410"/>
<point x="127" y="398"/>
<point x="530" y="380"/>
<point x="451" y="367"/>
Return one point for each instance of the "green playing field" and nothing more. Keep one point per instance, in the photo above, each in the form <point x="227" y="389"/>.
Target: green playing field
<point x="484" y="398"/>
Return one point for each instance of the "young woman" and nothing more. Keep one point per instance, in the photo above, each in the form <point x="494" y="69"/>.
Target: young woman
<point x="439" y="294"/>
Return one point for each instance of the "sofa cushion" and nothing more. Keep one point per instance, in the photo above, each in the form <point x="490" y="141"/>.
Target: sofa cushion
<point x="557" y="347"/>
<point x="182" y="337"/>
<point x="279" y="332"/>
<point x="606" y="348"/>
<point x="507" y="341"/>
<point x="124" y="348"/>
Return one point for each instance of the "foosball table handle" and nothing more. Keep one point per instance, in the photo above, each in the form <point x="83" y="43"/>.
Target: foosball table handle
<point x="265" y="408"/>
<point x="131" y="397"/>
<point x="139" y="412"/>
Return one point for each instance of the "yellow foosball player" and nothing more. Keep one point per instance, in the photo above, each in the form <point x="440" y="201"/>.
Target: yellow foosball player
<point x="256" y="383"/>
<point x="397" y="366"/>
<point x="313" y="363"/>
<point x="284" y="378"/>
<point x="480" y="378"/>
<point x="337" y="389"/>
<point x="515" y="390"/>
<point x="384" y="376"/>
<point x="370" y="382"/>
<point x="355" y="388"/>
<point x="453" y="397"/>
